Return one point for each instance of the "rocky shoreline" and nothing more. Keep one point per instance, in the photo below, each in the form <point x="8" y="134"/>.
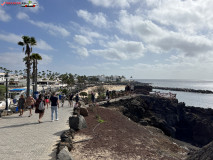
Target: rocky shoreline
<point x="186" y="124"/>
<point x="184" y="90"/>
<point x="189" y="124"/>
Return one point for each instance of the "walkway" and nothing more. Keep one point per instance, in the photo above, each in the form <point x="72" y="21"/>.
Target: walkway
<point x="23" y="138"/>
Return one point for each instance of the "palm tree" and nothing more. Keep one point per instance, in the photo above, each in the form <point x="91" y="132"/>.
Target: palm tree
<point x="43" y="74"/>
<point x="28" y="42"/>
<point x="16" y="72"/>
<point x="35" y="57"/>
<point x="39" y="74"/>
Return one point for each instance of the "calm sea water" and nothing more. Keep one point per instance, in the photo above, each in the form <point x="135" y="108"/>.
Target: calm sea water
<point x="190" y="99"/>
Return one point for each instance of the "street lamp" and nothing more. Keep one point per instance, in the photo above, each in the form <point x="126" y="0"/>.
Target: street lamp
<point x="33" y="94"/>
<point x="6" y="77"/>
<point x="43" y="89"/>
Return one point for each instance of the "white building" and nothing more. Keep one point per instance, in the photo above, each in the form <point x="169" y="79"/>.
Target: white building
<point x="102" y="78"/>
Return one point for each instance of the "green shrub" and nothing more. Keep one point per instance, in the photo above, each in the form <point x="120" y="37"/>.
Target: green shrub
<point x="2" y="92"/>
<point x="83" y="94"/>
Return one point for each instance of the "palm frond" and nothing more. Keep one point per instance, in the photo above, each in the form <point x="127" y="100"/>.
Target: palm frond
<point x="21" y="43"/>
<point x="32" y="41"/>
<point x="26" y="39"/>
<point x="36" y="56"/>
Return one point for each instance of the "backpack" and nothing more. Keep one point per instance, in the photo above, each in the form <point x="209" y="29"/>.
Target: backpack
<point x="41" y="105"/>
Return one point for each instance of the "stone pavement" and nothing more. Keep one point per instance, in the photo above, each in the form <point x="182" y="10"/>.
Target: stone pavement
<point x="23" y="138"/>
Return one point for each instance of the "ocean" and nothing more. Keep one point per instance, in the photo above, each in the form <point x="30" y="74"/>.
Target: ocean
<point x="189" y="98"/>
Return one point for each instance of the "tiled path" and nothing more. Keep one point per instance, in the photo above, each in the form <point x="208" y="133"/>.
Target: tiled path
<point x="23" y="138"/>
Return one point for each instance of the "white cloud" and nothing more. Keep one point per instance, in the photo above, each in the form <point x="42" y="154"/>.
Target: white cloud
<point x="41" y="44"/>
<point x="142" y="28"/>
<point x="114" y="3"/>
<point x="189" y="45"/>
<point x="98" y="20"/>
<point x="51" y="28"/>
<point x="82" y="52"/>
<point x="12" y="60"/>
<point x="82" y="40"/>
<point x="121" y="50"/>
<point x="22" y="15"/>
<point x="4" y="17"/>
<point x="161" y="39"/>
<point x="185" y="16"/>
<point x="46" y="59"/>
<point x="11" y="38"/>
<point x="91" y="34"/>
<point x="183" y="70"/>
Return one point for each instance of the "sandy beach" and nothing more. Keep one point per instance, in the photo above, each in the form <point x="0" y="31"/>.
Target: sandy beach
<point x="108" y="87"/>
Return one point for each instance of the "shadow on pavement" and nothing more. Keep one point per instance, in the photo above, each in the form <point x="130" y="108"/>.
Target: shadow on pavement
<point x="60" y="132"/>
<point x="9" y="117"/>
<point x="20" y="125"/>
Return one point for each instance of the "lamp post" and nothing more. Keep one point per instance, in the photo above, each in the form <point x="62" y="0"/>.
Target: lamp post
<point x="6" y="77"/>
<point x="43" y="89"/>
<point x="33" y="94"/>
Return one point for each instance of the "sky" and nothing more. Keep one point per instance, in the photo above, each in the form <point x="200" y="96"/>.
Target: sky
<point x="145" y="39"/>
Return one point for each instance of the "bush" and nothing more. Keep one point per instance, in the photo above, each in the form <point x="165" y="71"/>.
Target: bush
<point x="65" y="91"/>
<point x="2" y="92"/>
<point x="100" y="90"/>
<point x="101" y="97"/>
<point x="83" y="94"/>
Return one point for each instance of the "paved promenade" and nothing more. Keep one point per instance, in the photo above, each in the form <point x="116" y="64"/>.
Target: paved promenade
<point x="23" y="138"/>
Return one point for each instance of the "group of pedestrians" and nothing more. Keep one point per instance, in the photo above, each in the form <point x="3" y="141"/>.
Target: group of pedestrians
<point x="39" y="105"/>
<point x="129" y="89"/>
<point x="72" y="98"/>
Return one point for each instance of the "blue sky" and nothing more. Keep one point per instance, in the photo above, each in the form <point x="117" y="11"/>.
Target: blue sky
<point x="148" y="39"/>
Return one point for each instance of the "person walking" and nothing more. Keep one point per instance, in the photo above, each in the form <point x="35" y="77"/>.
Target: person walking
<point x="54" y="104"/>
<point x="76" y="99"/>
<point x="94" y="105"/>
<point x="40" y="107"/>
<point x="107" y="96"/>
<point x="63" y="97"/>
<point x="30" y="101"/>
<point x="47" y="101"/>
<point x="21" y="102"/>
<point x="132" y="88"/>
<point x="71" y="100"/>
<point x="93" y="97"/>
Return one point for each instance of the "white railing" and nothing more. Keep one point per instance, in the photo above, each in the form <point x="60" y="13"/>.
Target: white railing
<point x="165" y="95"/>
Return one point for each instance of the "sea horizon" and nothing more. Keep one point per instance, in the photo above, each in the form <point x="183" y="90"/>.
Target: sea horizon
<point x="189" y="98"/>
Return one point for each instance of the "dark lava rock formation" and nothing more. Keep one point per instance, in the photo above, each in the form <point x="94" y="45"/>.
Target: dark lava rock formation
<point x="189" y="124"/>
<point x="205" y="153"/>
<point x="185" y="90"/>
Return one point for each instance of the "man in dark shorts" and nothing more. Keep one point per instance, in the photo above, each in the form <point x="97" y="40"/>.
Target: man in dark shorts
<point x="21" y="102"/>
<point x="93" y="97"/>
<point x="54" y="104"/>
<point x="76" y="99"/>
<point x="71" y="100"/>
<point x="63" y="97"/>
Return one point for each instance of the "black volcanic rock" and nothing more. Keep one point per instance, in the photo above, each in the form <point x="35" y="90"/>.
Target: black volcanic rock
<point x="205" y="153"/>
<point x="190" y="124"/>
<point x="185" y="90"/>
